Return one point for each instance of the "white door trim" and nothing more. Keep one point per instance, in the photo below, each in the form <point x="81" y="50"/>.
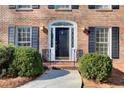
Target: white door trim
<point x="72" y="51"/>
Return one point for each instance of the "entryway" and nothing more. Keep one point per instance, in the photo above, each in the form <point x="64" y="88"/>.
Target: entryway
<point x="62" y="40"/>
<point x="62" y="43"/>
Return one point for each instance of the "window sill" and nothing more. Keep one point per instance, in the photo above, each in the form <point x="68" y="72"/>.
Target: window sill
<point x="104" y="10"/>
<point x="24" y="9"/>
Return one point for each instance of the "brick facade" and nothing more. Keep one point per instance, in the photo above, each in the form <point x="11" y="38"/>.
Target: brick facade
<point x="83" y="16"/>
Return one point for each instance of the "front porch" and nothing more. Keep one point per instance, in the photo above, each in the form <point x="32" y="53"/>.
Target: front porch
<point x="63" y="64"/>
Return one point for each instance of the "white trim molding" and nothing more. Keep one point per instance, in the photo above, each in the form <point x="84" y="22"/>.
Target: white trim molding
<point x="64" y="24"/>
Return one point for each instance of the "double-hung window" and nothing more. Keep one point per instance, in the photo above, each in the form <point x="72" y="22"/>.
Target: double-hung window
<point x="23" y="6"/>
<point x="103" y="7"/>
<point x="103" y="41"/>
<point x="62" y="6"/>
<point x="24" y="36"/>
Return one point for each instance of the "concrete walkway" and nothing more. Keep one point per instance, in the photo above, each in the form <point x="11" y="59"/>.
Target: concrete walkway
<point x="56" y="79"/>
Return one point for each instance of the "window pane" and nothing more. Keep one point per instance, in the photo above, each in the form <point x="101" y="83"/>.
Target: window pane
<point x="102" y="40"/>
<point x="62" y="24"/>
<point x="98" y="6"/>
<point x="62" y="6"/>
<point x="23" y="44"/>
<point x="24" y="36"/>
<point x="51" y="37"/>
<point x="28" y="39"/>
<point x="102" y="48"/>
<point x="102" y="6"/>
<point x="72" y="37"/>
<point x="23" y="6"/>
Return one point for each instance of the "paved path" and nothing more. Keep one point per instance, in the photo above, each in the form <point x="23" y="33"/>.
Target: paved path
<point x="56" y="79"/>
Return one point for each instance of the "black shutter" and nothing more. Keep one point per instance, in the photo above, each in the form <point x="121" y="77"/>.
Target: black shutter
<point x="35" y="37"/>
<point x="92" y="39"/>
<point x="11" y="35"/>
<point x="35" y="6"/>
<point x="51" y="6"/>
<point x="115" y="42"/>
<point x="91" y="6"/>
<point x="12" y="6"/>
<point x="115" y="6"/>
<point x="75" y="6"/>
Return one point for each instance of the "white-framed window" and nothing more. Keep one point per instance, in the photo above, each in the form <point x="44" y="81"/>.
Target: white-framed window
<point x="103" y="7"/>
<point x="24" y="36"/>
<point x="23" y="6"/>
<point x="103" y="40"/>
<point x="62" y="6"/>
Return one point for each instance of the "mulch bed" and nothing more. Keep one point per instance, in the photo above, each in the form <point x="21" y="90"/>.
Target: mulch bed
<point x="8" y="82"/>
<point x="115" y="81"/>
<point x="14" y="82"/>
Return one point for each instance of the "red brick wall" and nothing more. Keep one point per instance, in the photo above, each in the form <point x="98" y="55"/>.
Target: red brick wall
<point x="83" y="16"/>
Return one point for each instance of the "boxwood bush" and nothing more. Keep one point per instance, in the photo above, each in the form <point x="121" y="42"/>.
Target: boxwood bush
<point x="96" y="67"/>
<point x="26" y="62"/>
<point x="5" y="58"/>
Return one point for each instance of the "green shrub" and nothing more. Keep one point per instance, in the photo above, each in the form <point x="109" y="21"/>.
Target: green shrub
<point x="96" y="67"/>
<point x="26" y="62"/>
<point x="5" y="58"/>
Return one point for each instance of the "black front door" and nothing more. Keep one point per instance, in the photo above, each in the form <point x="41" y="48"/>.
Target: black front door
<point x="62" y="43"/>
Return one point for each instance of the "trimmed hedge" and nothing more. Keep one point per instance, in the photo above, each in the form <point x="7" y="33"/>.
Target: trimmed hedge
<point x="26" y="62"/>
<point x="96" y="67"/>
